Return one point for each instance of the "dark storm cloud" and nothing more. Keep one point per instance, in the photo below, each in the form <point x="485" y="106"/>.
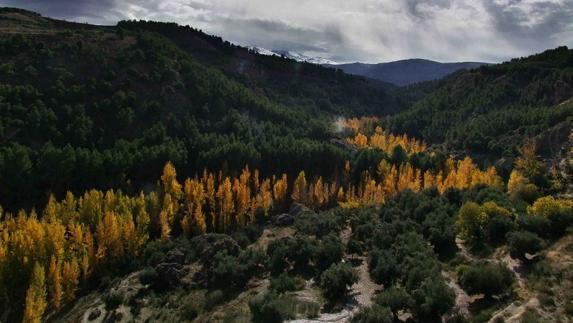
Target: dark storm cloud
<point x="366" y="30"/>
<point x="95" y="10"/>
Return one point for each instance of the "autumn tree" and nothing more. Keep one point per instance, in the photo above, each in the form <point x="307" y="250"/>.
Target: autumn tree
<point x="299" y="191"/>
<point x="55" y="283"/>
<point x="35" y="296"/>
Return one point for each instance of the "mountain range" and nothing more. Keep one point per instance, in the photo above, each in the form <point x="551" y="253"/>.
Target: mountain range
<point x="400" y="73"/>
<point x="406" y="72"/>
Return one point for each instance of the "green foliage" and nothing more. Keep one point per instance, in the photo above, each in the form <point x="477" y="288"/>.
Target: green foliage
<point x="271" y="308"/>
<point x="112" y="300"/>
<point x="285" y="283"/>
<point x="373" y="314"/>
<point x="335" y="281"/>
<point x="487" y="278"/>
<point x="493" y="109"/>
<point x="522" y="242"/>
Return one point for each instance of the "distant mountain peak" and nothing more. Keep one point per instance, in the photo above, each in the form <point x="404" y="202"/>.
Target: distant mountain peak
<point x="407" y="71"/>
<point x="299" y="57"/>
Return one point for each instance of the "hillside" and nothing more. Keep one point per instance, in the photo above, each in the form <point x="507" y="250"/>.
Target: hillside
<point x="150" y="172"/>
<point x="492" y="109"/>
<point x="120" y="101"/>
<point x="406" y="72"/>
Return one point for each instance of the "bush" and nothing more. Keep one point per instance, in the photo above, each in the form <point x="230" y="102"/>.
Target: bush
<point x="434" y="298"/>
<point x="112" y="300"/>
<point x="373" y="314"/>
<point x="285" y="283"/>
<point x="214" y="298"/>
<point x="329" y="252"/>
<point x="486" y="278"/>
<point x="394" y="298"/>
<point x="336" y="280"/>
<point x="522" y="242"/>
<point x="148" y="276"/>
<point x="269" y="308"/>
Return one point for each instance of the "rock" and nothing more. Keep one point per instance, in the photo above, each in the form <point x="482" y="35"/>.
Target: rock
<point x="283" y="220"/>
<point x="94" y="314"/>
<point x="175" y="256"/>
<point x="296" y="209"/>
<point x="169" y="275"/>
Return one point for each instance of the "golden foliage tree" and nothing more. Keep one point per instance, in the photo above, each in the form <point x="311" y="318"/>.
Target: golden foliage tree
<point x="35" y="296"/>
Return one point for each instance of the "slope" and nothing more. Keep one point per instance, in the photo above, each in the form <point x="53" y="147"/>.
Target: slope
<point x="490" y="110"/>
<point x="89" y="106"/>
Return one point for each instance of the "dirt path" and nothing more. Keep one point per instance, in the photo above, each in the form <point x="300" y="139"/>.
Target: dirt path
<point x="360" y="294"/>
<point x="463" y="300"/>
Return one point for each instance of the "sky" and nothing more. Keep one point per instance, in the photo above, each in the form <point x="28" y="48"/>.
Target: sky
<point x="369" y="31"/>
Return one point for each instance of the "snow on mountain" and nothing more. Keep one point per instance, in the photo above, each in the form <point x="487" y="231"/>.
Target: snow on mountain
<point x="292" y="55"/>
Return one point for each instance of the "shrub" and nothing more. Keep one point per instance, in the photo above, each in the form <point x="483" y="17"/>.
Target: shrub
<point x="336" y="280"/>
<point x="148" y="276"/>
<point x="472" y="222"/>
<point x="434" y="298"/>
<point x="284" y="283"/>
<point x="329" y="251"/>
<point x="522" y="242"/>
<point x="214" y="298"/>
<point x="112" y="300"/>
<point x="394" y="298"/>
<point x="486" y="278"/>
<point x="271" y="307"/>
<point x="373" y="314"/>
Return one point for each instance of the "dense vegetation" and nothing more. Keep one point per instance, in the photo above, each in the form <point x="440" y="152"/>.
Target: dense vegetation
<point x="493" y="108"/>
<point x="94" y="122"/>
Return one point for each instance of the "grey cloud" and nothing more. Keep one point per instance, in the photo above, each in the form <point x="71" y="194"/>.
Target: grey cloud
<point x="533" y="24"/>
<point x="366" y="30"/>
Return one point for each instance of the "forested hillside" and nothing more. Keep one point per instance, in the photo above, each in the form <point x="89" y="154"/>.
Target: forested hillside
<point x="492" y="109"/>
<point x="85" y="106"/>
<point x="150" y="172"/>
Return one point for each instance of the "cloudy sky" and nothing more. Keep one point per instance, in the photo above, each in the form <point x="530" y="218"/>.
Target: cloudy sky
<point x="351" y="30"/>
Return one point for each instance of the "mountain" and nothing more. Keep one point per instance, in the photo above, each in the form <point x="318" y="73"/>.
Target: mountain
<point x="405" y="72"/>
<point x="494" y="108"/>
<point x="121" y="100"/>
<point x="299" y="57"/>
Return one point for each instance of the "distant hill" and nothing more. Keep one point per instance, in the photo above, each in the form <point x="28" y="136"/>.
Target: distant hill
<point x="405" y="72"/>
<point x="492" y="109"/>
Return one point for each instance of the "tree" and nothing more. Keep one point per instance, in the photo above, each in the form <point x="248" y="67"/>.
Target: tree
<point x="299" y="191"/>
<point x="529" y="165"/>
<point x="70" y="277"/>
<point x="486" y="278"/>
<point x="472" y="222"/>
<point x="35" y="296"/>
<point x="336" y="280"/>
<point x="55" y="283"/>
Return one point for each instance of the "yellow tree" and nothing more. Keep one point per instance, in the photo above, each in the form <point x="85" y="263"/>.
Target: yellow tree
<point x="55" y="283"/>
<point x="36" y="296"/>
<point x="70" y="277"/>
<point x="299" y="188"/>
<point x="280" y="189"/>
<point x="226" y="204"/>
